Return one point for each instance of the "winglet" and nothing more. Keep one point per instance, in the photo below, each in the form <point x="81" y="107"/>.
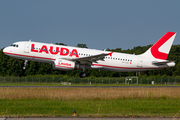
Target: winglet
<point x="110" y="54"/>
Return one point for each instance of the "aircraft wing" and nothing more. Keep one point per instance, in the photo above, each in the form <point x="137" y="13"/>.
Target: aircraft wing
<point x="90" y="59"/>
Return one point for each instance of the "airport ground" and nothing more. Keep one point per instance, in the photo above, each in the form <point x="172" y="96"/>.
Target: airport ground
<point x="90" y="102"/>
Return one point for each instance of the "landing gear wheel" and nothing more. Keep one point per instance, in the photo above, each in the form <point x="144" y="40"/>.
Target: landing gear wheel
<point x="82" y="74"/>
<point x="25" y="63"/>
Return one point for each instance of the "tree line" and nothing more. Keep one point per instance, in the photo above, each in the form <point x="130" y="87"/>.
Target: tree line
<point x="10" y="66"/>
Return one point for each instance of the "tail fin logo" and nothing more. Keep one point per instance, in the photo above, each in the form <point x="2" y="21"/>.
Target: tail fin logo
<point x="159" y="48"/>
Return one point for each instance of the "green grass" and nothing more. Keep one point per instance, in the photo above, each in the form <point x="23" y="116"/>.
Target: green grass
<point x="90" y="102"/>
<point x="91" y="108"/>
<point x="58" y="84"/>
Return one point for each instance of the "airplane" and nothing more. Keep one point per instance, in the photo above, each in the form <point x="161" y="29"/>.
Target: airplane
<point x="72" y="58"/>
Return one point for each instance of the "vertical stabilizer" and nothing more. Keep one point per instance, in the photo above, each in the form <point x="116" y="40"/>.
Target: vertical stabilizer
<point x="161" y="48"/>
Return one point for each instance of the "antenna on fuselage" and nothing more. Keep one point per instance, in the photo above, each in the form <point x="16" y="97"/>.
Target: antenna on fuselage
<point x="30" y="40"/>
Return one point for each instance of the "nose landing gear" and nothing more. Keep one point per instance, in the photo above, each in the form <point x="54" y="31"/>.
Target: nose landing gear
<point x="25" y="63"/>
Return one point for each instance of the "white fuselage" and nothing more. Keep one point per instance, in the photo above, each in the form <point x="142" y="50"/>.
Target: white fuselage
<point x="43" y="52"/>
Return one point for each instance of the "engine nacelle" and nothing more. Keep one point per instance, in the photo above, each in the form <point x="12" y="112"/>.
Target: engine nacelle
<point x="61" y="64"/>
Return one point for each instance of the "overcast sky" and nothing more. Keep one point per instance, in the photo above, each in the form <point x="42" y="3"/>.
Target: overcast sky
<point x="99" y="24"/>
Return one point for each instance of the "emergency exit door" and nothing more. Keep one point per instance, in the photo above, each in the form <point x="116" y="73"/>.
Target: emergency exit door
<point x="140" y="62"/>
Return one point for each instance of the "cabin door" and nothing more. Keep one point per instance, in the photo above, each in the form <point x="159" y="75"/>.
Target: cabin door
<point x="26" y="47"/>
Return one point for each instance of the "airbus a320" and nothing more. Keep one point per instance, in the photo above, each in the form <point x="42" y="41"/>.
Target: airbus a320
<point x="72" y="58"/>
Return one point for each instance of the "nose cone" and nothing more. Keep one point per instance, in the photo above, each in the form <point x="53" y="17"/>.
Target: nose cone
<point x="5" y="50"/>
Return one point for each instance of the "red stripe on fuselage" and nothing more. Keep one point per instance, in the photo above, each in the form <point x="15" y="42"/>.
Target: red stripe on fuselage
<point x="28" y="56"/>
<point x="121" y="67"/>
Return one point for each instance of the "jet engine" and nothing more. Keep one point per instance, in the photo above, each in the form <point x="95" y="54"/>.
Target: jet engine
<point x="61" y="64"/>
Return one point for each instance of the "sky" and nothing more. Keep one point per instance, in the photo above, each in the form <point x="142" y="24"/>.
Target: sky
<point x="100" y="24"/>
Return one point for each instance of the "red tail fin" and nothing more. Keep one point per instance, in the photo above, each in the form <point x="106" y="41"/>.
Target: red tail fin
<point x="161" y="48"/>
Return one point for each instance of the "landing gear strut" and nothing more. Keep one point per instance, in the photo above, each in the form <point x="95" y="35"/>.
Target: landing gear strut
<point x="82" y="74"/>
<point x="25" y="63"/>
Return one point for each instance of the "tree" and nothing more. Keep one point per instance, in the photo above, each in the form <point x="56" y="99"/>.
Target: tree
<point x="82" y="45"/>
<point x="60" y="44"/>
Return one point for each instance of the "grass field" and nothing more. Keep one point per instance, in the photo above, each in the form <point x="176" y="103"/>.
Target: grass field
<point x="91" y="108"/>
<point x="88" y="93"/>
<point x="90" y="102"/>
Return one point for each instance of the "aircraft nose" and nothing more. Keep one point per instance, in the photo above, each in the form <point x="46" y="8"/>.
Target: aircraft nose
<point x="5" y="50"/>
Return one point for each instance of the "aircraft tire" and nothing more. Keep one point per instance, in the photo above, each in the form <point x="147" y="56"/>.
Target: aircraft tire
<point x="82" y="75"/>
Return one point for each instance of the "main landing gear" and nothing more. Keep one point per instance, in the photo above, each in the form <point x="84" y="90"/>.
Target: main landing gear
<point x="82" y="74"/>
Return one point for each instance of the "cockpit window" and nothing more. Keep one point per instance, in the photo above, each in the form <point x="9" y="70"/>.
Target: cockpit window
<point x="15" y="45"/>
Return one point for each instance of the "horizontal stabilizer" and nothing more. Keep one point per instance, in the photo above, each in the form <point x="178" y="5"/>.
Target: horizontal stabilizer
<point x="162" y="63"/>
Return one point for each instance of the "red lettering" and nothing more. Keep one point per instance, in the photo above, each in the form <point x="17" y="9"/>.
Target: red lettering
<point x="56" y="51"/>
<point x="33" y="48"/>
<point x="44" y="49"/>
<point x="74" y="52"/>
<point x="64" y="51"/>
<point x="66" y="64"/>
